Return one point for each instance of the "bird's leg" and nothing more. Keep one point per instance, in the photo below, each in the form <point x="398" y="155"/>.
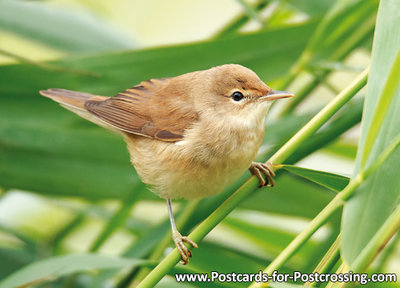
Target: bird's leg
<point x="178" y="238"/>
<point x="257" y="169"/>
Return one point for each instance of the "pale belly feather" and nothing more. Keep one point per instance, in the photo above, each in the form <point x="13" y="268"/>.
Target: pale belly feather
<point x="192" y="168"/>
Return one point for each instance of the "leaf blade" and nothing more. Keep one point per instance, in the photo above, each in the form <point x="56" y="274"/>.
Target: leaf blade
<point x="332" y="181"/>
<point x="50" y="268"/>
<point x="43" y="23"/>
<point x="373" y="202"/>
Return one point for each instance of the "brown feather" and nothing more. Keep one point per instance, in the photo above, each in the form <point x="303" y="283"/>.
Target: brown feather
<point x="72" y="98"/>
<point x="149" y="109"/>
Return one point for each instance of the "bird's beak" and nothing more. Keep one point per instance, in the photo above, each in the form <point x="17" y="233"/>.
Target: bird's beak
<point x="274" y="95"/>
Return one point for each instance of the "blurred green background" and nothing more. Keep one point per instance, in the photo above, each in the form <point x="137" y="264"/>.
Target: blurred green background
<point x="67" y="186"/>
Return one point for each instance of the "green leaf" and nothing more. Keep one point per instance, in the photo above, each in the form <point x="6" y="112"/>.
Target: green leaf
<point x="348" y="17"/>
<point x="250" y="11"/>
<point x="289" y="196"/>
<point x="47" y="149"/>
<point x="345" y="27"/>
<point x="51" y="268"/>
<point x="385" y="100"/>
<point x="375" y="200"/>
<point x="59" y="28"/>
<point x="16" y="259"/>
<point x="118" y="219"/>
<point x="332" y="181"/>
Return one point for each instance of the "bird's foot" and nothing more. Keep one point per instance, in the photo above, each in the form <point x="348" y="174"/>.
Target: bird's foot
<point x="185" y="252"/>
<point x="257" y="169"/>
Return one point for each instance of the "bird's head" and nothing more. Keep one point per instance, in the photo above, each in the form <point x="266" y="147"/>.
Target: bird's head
<point x="238" y="92"/>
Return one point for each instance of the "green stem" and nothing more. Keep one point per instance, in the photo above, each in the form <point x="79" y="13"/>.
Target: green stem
<point x="239" y="21"/>
<point x="321" y="118"/>
<point x="387" y="253"/>
<point x="313" y="226"/>
<point x="358" y="37"/>
<point x="302" y="94"/>
<point x="372" y="249"/>
<point x="321" y="218"/>
<point x="347" y="118"/>
<point x="250" y="11"/>
<point x="384" y="234"/>
<point x="116" y="221"/>
<point x="200" y="232"/>
<point x="250" y="185"/>
<point x="342" y="269"/>
<point x="328" y="85"/>
<point x="187" y="213"/>
<point x="328" y="261"/>
<point x="66" y="230"/>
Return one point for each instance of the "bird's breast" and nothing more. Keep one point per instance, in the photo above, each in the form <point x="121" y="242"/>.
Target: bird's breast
<point x="207" y="160"/>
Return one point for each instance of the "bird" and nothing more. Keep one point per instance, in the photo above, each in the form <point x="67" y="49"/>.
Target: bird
<point x="188" y="136"/>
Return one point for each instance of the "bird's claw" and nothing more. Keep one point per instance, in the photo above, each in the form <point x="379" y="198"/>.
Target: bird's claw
<point x="257" y="169"/>
<point x="185" y="252"/>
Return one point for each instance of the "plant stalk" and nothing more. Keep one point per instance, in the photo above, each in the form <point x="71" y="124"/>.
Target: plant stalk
<point x="374" y="247"/>
<point x="357" y="38"/>
<point x="116" y="221"/>
<point x="321" y="218"/>
<point x="240" y="21"/>
<point x="312" y="227"/>
<point x="328" y="262"/>
<point x="321" y="118"/>
<point x="188" y="210"/>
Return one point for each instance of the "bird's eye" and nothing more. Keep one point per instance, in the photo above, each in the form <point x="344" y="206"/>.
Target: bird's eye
<point x="237" y="96"/>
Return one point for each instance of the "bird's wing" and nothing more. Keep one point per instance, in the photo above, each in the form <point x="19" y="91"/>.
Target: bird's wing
<point x="145" y="110"/>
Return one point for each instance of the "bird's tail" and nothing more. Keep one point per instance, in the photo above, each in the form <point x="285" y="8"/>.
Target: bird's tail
<point x="75" y="102"/>
<point x="70" y="99"/>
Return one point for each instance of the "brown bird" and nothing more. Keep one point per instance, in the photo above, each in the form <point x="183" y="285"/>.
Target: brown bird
<point x="188" y="136"/>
